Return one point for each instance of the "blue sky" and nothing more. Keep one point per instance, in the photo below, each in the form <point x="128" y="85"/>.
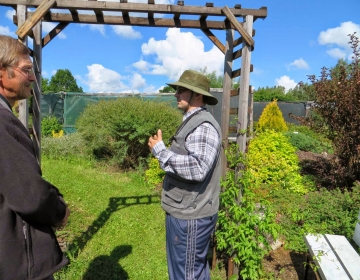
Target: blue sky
<point x="297" y="38"/>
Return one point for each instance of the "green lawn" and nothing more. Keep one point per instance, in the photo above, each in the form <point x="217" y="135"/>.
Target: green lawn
<point x="116" y="228"/>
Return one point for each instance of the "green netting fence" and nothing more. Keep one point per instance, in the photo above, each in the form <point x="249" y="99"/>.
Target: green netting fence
<point x="67" y="106"/>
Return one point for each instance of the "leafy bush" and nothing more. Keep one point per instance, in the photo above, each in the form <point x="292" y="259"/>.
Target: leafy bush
<point x="50" y="124"/>
<point x="69" y="146"/>
<point x="271" y="118"/>
<point x="336" y="103"/>
<point x="274" y="164"/>
<point x="304" y="139"/>
<point x="154" y="174"/>
<point x="243" y="227"/>
<point x="117" y="131"/>
<point x="332" y="212"/>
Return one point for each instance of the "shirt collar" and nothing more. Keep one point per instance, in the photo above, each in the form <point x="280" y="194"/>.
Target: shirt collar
<point x="5" y="100"/>
<point x="193" y="111"/>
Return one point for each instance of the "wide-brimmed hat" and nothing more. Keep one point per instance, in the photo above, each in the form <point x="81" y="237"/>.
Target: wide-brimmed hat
<point x="196" y="82"/>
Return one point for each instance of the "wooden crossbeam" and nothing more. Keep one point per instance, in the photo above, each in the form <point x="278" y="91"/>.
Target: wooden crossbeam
<point x="237" y="54"/>
<point x="135" y="21"/>
<point x="151" y="14"/>
<point x="215" y="40"/>
<point x="53" y="33"/>
<point x="30" y="22"/>
<point x="239" y="40"/>
<point x="237" y="73"/>
<point x="234" y="111"/>
<point x="139" y="8"/>
<point x="232" y="129"/>
<point x="234" y="92"/>
<point x="230" y="16"/>
<point x="99" y="15"/>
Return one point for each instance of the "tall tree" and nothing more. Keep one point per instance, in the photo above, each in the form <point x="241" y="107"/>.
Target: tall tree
<point x="45" y="85"/>
<point x="167" y="89"/>
<point x="63" y="80"/>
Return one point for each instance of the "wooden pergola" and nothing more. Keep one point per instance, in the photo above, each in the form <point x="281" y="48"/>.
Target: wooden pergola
<point x="65" y="12"/>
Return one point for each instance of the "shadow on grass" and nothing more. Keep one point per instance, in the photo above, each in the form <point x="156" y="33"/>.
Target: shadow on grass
<point x="115" y="204"/>
<point x="107" y="267"/>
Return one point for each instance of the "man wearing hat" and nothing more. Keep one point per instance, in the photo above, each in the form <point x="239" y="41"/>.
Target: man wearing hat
<point x="191" y="187"/>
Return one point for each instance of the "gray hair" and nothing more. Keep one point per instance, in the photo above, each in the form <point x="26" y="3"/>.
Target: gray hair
<point x="10" y="51"/>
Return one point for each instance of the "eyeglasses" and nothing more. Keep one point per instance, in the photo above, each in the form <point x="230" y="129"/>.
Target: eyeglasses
<point x="181" y="90"/>
<point x="27" y="71"/>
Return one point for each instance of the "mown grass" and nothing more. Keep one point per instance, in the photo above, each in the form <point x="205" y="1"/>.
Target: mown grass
<point x="116" y="228"/>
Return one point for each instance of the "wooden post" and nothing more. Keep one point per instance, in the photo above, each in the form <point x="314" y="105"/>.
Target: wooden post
<point x="251" y="112"/>
<point x="36" y="105"/>
<point x="244" y="88"/>
<point x="227" y="83"/>
<point x="23" y="104"/>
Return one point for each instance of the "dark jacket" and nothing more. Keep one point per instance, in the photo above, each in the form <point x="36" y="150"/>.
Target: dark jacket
<point x="29" y="205"/>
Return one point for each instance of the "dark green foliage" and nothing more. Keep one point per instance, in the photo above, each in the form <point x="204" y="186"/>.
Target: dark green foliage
<point x="304" y="142"/>
<point x="302" y="92"/>
<point x="270" y="94"/>
<point x="50" y="124"/>
<point x="331" y="212"/>
<point x="117" y="131"/>
<point x="45" y="85"/>
<point x="167" y="89"/>
<point x="63" y="80"/>
<point x="216" y="81"/>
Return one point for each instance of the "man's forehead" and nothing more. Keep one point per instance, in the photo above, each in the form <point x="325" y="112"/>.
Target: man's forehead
<point x="24" y="60"/>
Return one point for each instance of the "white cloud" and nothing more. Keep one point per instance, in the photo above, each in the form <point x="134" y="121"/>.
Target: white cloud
<point x="4" y="30"/>
<point x="98" y="27"/>
<point x="338" y="37"/>
<point x="337" y="53"/>
<point x="142" y="65"/>
<point x="103" y="80"/>
<point x="286" y="82"/>
<point x="126" y="32"/>
<point x="178" y="52"/>
<point x="137" y="81"/>
<point x="299" y="64"/>
<point x="10" y="14"/>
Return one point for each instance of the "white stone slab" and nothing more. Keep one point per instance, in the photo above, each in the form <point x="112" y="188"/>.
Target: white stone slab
<point x="346" y="254"/>
<point x="328" y="264"/>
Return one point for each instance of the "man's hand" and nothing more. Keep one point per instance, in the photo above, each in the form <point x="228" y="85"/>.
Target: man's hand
<point x="155" y="139"/>
<point x="67" y="214"/>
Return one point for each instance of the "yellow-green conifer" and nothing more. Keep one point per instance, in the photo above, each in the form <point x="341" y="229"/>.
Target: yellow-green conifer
<point x="272" y="118"/>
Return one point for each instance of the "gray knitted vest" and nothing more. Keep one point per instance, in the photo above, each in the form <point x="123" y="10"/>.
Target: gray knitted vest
<point x="185" y="199"/>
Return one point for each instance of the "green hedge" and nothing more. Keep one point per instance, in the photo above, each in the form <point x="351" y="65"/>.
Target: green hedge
<point x="117" y="131"/>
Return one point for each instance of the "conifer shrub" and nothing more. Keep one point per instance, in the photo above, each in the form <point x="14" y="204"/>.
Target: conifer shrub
<point x="117" y="131"/>
<point x="274" y="164"/>
<point x="272" y="118"/>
